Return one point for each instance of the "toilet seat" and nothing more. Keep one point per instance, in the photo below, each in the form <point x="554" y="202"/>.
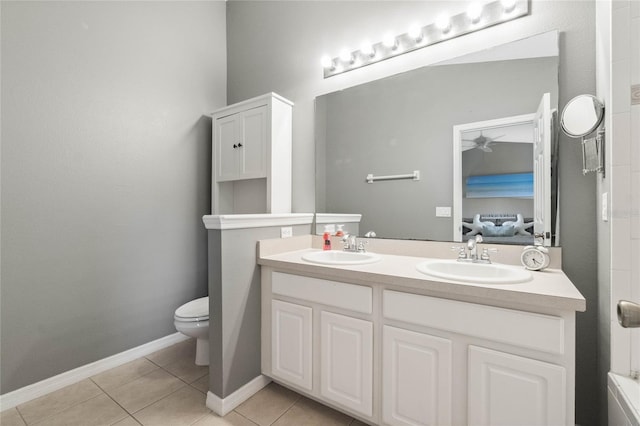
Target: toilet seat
<point x="196" y="310"/>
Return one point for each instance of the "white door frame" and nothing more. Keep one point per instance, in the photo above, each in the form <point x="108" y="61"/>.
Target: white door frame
<point x="458" y="130"/>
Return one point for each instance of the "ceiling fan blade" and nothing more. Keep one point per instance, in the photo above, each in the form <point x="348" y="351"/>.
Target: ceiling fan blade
<point x="489" y="140"/>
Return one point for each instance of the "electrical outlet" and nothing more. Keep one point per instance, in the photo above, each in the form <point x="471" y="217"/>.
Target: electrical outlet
<point x="443" y="211"/>
<point x="286" y="232"/>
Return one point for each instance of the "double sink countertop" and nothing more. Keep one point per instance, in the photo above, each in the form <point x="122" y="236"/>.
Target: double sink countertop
<point x="549" y="290"/>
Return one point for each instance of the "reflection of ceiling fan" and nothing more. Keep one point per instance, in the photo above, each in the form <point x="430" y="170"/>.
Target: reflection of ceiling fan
<point x="482" y="142"/>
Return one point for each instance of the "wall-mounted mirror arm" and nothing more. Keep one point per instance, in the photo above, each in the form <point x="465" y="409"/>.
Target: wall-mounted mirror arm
<point x="582" y="116"/>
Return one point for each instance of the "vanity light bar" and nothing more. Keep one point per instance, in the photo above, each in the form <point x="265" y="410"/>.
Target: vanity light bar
<point x="476" y="18"/>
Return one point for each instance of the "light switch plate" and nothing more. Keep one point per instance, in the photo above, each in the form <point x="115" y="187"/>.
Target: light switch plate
<point x="605" y="206"/>
<point x="286" y="232"/>
<point x="443" y="211"/>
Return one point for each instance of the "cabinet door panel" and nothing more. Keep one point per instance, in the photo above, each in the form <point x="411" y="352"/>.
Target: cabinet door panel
<point x="346" y="364"/>
<point x="416" y="381"/>
<point x="291" y="343"/>
<point x="227" y="135"/>
<point x="510" y="390"/>
<point x="253" y="153"/>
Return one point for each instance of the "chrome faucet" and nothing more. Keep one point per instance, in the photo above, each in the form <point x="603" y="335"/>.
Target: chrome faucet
<point x="472" y="247"/>
<point x="470" y="253"/>
<point x="351" y="243"/>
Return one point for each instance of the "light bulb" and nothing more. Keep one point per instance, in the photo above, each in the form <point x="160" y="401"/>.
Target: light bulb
<point x="443" y="23"/>
<point x="474" y="12"/>
<point x="327" y="62"/>
<point x="367" y="49"/>
<point x="415" y="33"/>
<point x="346" y="56"/>
<point x="390" y="41"/>
<point x="508" y="5"/>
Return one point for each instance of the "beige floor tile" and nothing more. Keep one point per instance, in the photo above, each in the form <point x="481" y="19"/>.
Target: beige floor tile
<point x="268" y="404"/>
<point x="100" y="410"/>
<point x="182" y="350"/>
<point x="58" y="401"/>
<point x="231" y="419"/>
<point x="11" y="417"/>
<point x="182" y="407"/>
<point x="187" y="370"/>
<point x="310" y="413"/>
<point x="356" y="422"/>
<point x="124" y="374"/>
<point x="128" y="421"/>
<point x="202" y="384"/>
<point x="146" y="390"/>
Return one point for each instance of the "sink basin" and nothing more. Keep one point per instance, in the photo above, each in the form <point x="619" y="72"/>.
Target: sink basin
<point x="480" y="273"/>
<point x="335" y="257"/>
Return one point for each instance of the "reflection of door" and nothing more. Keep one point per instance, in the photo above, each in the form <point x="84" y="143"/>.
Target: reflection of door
<point x="542" y="170"/>
<point x="539" y="133"/>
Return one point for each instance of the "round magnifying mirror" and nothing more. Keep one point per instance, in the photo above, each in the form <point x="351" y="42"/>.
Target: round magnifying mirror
<point x="582" y="115"/>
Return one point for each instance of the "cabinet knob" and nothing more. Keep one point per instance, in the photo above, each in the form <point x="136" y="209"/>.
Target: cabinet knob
<point x="235" y="146"/>
<point x="239" y="144"/>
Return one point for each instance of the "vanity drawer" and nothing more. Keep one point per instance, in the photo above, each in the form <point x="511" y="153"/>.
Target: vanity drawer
<point x="332" y="293"/>
<point x="525" y="329"/>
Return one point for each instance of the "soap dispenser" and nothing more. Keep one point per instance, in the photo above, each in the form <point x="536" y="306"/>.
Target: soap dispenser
<point x="340" y="232"/>
<point x="326" y="238"/>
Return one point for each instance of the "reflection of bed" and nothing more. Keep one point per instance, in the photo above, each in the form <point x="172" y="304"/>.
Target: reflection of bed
<point x="510" y="228"/>
<point x="516" y="239"/>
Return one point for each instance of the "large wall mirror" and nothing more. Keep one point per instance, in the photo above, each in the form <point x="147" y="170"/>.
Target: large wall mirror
<point x="407" y="122"/>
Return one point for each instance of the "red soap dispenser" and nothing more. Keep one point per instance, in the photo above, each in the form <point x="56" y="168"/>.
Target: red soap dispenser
<point x="327" y="240"/>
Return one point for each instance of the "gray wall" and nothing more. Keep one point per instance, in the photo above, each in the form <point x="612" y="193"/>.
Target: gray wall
<point x="404" y="123"/>
<point x="234" y="303"/>
<point x="105" y="175"/>
<point x="277" y="45"/>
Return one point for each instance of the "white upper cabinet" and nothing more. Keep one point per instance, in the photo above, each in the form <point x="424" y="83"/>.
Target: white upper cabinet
<point x="252" y="156"/>
<point x="241" y="145"/>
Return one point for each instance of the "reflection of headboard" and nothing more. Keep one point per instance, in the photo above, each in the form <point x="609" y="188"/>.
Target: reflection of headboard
<point x="497" y="225"/>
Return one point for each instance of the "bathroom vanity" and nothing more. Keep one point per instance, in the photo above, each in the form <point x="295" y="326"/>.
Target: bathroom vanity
<point x="389" y="345"/>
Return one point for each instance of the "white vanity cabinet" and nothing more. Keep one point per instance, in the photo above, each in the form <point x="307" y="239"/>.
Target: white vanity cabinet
<point x="320" y="339"/>
<point x="516" y="363"/>
<point x="416" y="378"/>
<point x="251" y="156"/>
<point x="346" y="361"/>
<point x="390" y="355"/>
<point x="291" y="345"/>
<point x="506" y="389"/>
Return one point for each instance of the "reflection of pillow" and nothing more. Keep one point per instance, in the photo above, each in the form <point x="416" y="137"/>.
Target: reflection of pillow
<point x="498" y="231"/>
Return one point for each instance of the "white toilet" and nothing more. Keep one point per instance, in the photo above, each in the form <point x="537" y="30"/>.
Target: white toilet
<point x="192" y="319"/>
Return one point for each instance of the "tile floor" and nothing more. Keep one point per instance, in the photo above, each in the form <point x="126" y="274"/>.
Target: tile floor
<point x="165" y="388"/>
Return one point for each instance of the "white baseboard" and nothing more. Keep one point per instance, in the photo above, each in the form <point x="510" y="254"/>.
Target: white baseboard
<point x="222" y="406"/>
<point x="35" y="390"/>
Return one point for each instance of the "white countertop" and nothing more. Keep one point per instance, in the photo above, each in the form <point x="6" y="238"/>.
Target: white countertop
<point x="549" y="290"/>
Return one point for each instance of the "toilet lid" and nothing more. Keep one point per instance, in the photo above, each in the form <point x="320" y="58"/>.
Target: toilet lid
<point x="195" y="310"/>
